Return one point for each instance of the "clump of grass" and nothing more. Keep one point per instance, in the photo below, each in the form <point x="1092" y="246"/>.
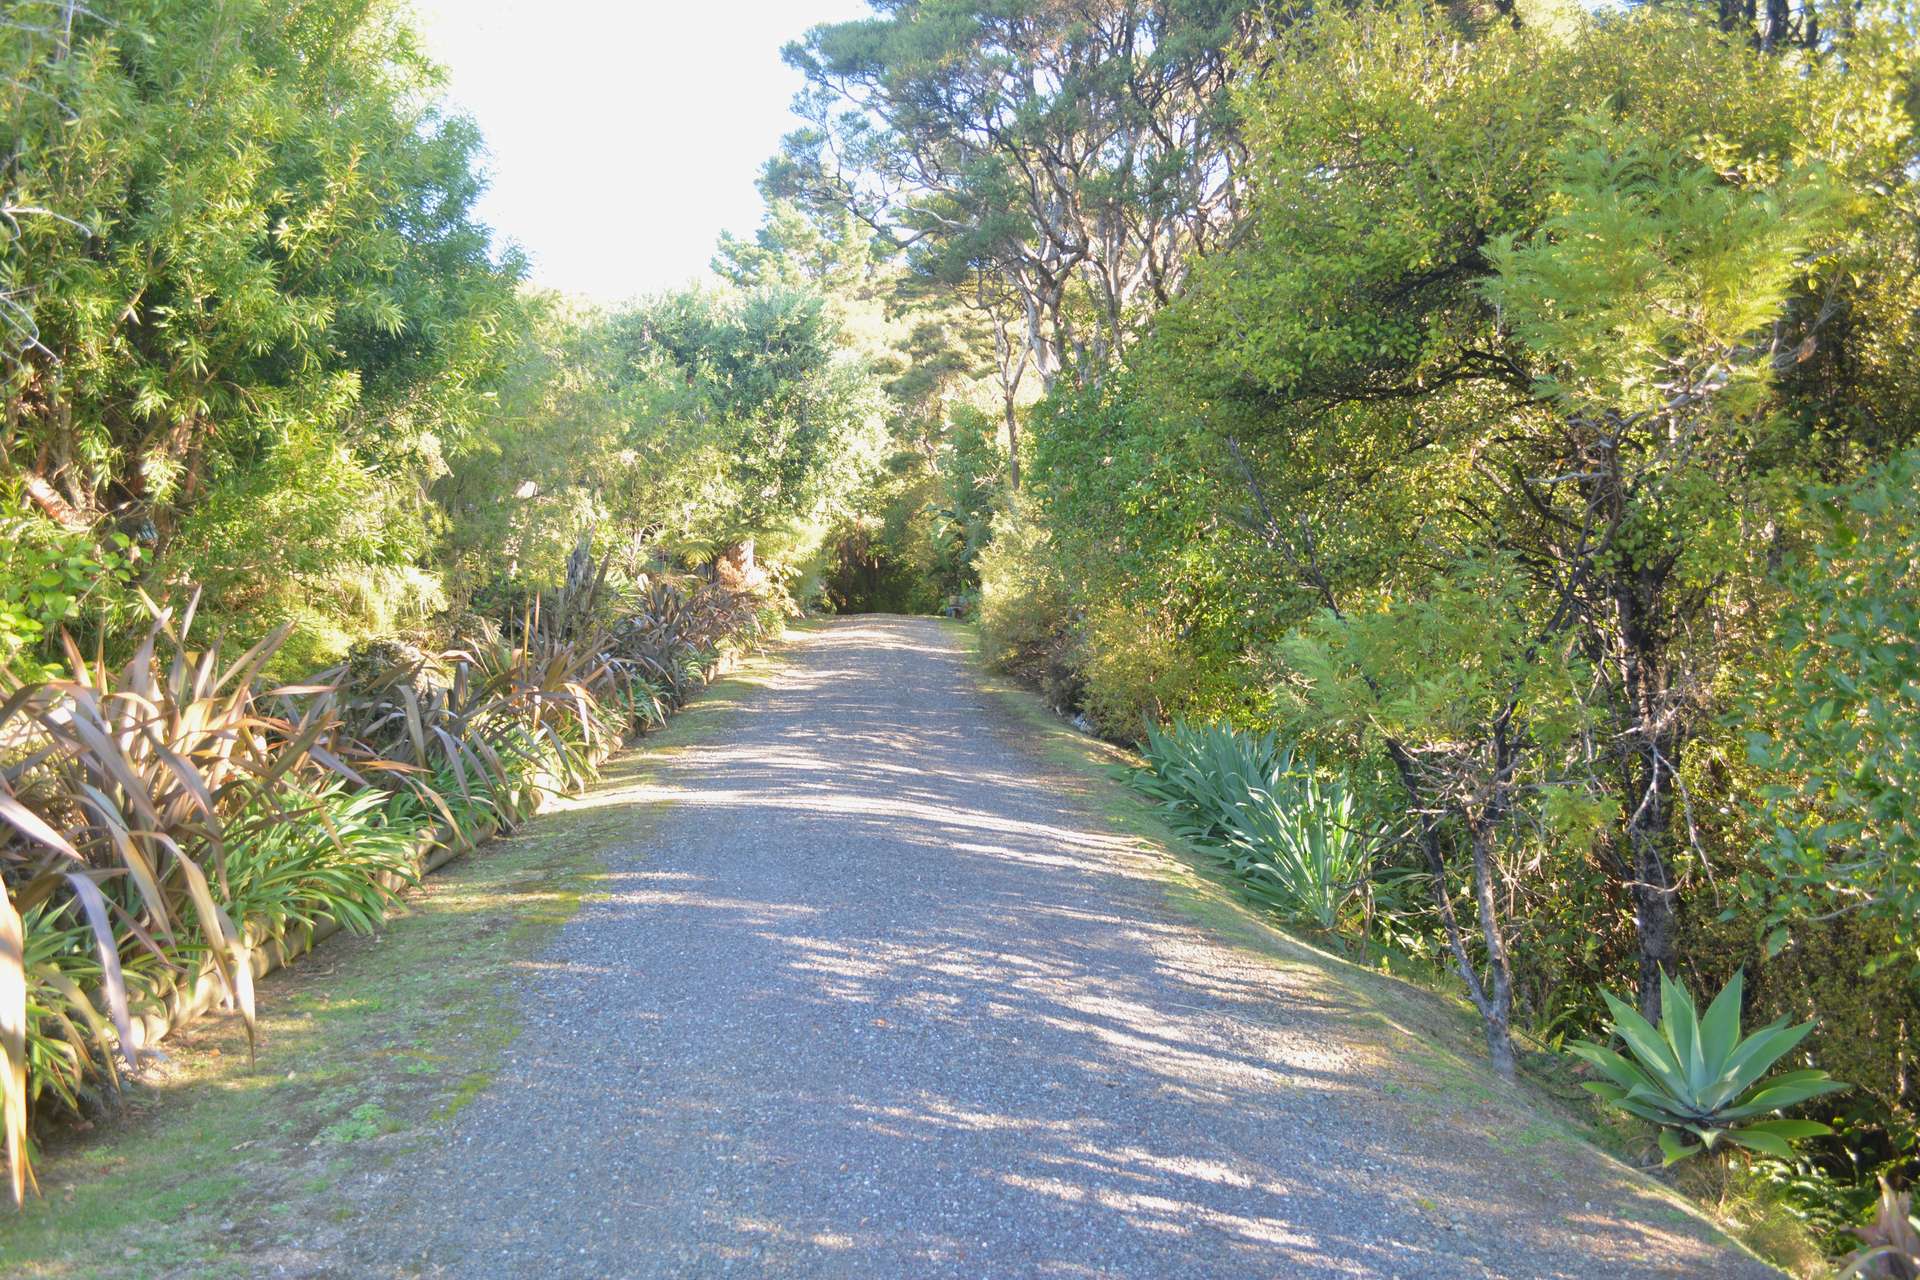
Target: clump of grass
<point x="1293" y="840"/>
<point x="1749" y="1207"/>
<point x="328" y="853"/>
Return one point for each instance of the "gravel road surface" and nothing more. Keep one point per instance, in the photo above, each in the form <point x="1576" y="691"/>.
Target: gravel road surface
<point x="873" y="992"/>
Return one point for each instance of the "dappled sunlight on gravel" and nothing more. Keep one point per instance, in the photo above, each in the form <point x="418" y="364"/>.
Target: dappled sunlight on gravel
<point x="870" y="988"/>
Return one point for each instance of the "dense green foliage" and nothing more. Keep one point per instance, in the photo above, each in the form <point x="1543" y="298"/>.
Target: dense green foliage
<point x="1510" y="408"/>
<point x="1845" y="815"/>
<point x="261" y="310"/>
<point x="1521" y="434"/>
<point x="270" y="392"/>
<point x="292" y="373"/>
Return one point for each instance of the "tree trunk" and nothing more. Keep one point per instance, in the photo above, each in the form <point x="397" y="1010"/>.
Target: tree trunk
<point x="1654" y="895"/>
<point x="1013" y="446"/>
<point x="1496" y="998"/>
<point x="1775" y="33"/>
<point x="1493" y="997"/>
<point x="1651" y="736"/>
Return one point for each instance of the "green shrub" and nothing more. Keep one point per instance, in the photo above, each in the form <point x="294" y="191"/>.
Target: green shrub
<point x="1840" y="798"/>
<point x="1136" y="672"/>
<point x="1026" y="606"/>
<point x="307" y="855"/>
<point x="53" y="578"/>
<point x="124" y="800"/>
<point x="1294" y="842"/>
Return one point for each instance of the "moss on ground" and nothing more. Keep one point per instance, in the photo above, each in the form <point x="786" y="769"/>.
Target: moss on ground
<point x="367" y="1048"/>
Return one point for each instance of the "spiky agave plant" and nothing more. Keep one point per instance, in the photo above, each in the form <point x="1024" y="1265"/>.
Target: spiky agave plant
<point x="1700" y="1077"/>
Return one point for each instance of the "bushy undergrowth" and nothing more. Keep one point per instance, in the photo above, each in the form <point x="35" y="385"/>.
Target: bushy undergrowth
<point x="161" y="821"/>
<point x="1293" y="839"/>
<point x="1026" y="607"/>
<point x="303" y="855"/>
<point x="1304" y="844"/>
<point x="1513" y="457"/>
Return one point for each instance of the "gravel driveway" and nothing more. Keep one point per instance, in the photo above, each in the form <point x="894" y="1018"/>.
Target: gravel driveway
<point x="873" y="993"/>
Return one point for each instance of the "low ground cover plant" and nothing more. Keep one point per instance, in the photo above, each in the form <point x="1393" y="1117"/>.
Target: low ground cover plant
<point x="1293" y="839"/>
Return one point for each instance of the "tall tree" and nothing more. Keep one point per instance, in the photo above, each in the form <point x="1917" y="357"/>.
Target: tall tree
<point x="1565" y="327"/>
<point x="1078" y="151"/>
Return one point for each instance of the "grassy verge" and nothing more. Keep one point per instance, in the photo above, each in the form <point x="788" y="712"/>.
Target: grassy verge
<point x="367" y="1047"/>
<point x="1429" y="1047"/>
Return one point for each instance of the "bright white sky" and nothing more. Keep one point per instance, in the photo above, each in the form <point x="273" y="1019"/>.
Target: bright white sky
<point x="624" y="135"/>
